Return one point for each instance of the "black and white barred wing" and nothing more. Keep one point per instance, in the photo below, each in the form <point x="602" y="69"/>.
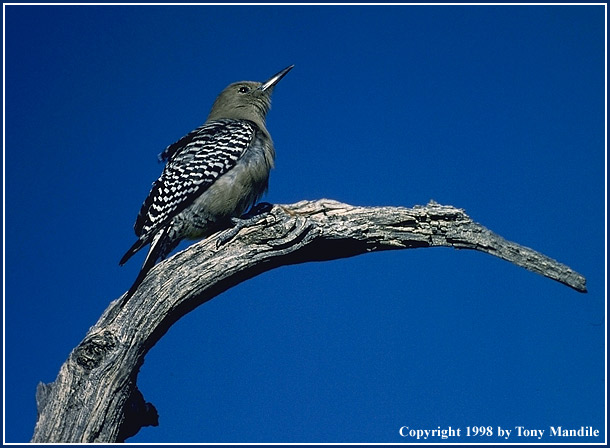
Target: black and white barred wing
<point x="193" y="164"/>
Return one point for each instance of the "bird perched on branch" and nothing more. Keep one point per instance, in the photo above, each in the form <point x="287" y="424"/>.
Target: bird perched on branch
<point x="212" y="176"/>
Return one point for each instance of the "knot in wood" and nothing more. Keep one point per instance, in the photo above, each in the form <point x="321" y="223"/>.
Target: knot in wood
<point x="90" y="353"/>
<point x="290" y="232"/>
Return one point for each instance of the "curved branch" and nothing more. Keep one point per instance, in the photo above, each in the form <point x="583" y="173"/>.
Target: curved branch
<point x="95" y="398"/>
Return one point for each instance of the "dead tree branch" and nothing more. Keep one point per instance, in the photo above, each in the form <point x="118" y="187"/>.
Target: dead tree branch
<point x="95" y="398"/>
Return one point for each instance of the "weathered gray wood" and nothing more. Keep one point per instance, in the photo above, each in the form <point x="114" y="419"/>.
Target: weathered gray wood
<point x="95" y="398"/>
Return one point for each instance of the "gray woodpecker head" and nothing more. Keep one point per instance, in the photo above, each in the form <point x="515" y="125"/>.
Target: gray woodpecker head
<point x="246" y="100"/>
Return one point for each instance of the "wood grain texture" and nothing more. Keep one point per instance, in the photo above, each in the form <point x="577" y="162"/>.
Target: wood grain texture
<point x="95" y="397"/>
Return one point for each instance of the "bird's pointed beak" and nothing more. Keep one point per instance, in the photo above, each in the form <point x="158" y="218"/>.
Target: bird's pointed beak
<point x="275" y="79"/>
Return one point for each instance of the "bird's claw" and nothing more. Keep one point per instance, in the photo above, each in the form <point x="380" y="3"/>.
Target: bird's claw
<point x="261" y="208"/>
<point x="246" y="220"/>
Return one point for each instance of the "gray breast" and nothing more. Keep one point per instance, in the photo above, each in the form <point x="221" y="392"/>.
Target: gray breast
<point x="231" y="194"/>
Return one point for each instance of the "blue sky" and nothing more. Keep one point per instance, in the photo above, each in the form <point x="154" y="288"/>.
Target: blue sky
<point x="495" y="109"/>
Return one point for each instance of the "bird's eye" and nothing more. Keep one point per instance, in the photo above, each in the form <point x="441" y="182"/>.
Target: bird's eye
<point x="244" y="89"/>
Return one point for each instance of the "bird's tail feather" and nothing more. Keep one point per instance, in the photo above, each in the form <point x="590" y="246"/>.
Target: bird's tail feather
<point x="158" y="250"/>
<point x="132" y="250"/>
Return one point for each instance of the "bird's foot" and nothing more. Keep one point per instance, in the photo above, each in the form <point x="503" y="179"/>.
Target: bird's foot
<point x="262" y="208"/>
<point x="245" y="220"/>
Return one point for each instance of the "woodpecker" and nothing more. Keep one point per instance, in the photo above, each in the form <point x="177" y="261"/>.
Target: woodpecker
<point x="212" y="175"/>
